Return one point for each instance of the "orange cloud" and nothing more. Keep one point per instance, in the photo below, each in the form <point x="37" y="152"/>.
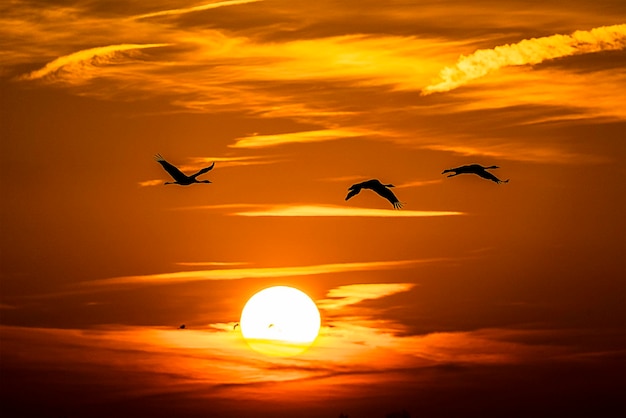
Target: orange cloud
<point x="331" y="210"/>
<point x="149" y="183"/>
<point x="210" y="263"/>
<point x="234" y="274"/>
<point x="418" y="183"/>
<point x="81" y="61"/>
<point x="351" y="294"/>
<point x="519" y="152"/>
<point x="195" y="8"/>
<point x="171" y="355"/>
<point x="528" y="51"/>
<point x="259" y="141"/>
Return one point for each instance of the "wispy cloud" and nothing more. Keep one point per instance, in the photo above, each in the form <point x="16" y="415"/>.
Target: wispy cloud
<point x="209" y="263"/>
<point x="200" y="8"/>
<point x="342" y="296"/>
<point x="260" y="141"/>
<point x="78" y="62"/>
<point x="340" y="211"/>
<point x="519" y="152"/>
<point x="232" y="161"/>
<point x="215" y="362"/>
<point x="568" y="98"/>
<point x="149" y="183"/>
<point x="417" y="183"/>
<point x="262" y="272"/>
<point x="156" y="358"/>
<point x="528" y="51"/>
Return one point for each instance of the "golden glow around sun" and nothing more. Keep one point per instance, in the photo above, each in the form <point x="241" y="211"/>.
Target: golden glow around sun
<point x="280" y="321"/>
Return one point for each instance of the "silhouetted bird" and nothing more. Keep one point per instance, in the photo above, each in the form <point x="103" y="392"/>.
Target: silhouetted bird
<point x="179" y="176"/>
<point x="475" y="169"/>
<point x="378" y="187"/>
<point x="183" y="326"/>
<point x="235" y="326"/>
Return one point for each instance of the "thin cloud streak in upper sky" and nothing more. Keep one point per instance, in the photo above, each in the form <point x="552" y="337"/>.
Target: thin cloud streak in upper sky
<point x="528" y="51"/>
<point x="104" y="53"/>
<point x="329" y="210"/>
<point x="195" y="8"/>
<point x="259" y="141"/>
<point x="514" y="152"/>
<point x="246" y="273"/>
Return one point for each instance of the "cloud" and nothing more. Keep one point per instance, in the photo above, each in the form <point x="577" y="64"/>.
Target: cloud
<point x="245" y="273"/>
<point x="520" y="152"/>
<point x="159" y="371"/>
<point x="342" y="296"/>
<point x="528" y="51"/>
<point x="149" y="183"/>
<point x="211" y="263"/>
<point x="340" y="211"/>
<point x="230" y="161"/>
<point x="260" y="141"/>
<point x="78" y="61"/>
<point x="418" y="183"/>
<point x="195" y="8"/>
<point x="554" y="94"/>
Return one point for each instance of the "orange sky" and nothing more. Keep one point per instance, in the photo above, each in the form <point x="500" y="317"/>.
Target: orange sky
<point x="474" y="300"/>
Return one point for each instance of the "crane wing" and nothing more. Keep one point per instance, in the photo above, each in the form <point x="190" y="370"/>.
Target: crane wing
<point x="204" y="170"/>
<point x="388" y="194"/>
<point x="172" y="170"/>
<point x="487" y="175"/>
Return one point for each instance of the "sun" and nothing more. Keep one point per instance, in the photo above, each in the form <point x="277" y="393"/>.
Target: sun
<point x="280" y="321"/>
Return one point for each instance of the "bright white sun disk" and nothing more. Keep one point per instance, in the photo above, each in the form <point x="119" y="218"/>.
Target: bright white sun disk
<point x="280" y="320"/>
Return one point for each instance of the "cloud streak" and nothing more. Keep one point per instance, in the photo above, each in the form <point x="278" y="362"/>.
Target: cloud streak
<point x="261" y="141"/>
<point x="341" y="211"/>
<point x="247" y="273"/>
<point x="343" y="296"/>
<point x="174" y="12"/>
<point x="100" y="55"/>
<point x="528" y="51"/>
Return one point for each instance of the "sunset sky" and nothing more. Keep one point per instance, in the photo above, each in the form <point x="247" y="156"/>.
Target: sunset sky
<point x="476" y="299"/>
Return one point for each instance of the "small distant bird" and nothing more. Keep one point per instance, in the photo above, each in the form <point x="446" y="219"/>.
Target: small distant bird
<point x="183" y="326"/>
<point x="375" y="185"/>
<point x="179" y="176"/>
<point x="477" y="169"/>
<point x="235" y="326"/>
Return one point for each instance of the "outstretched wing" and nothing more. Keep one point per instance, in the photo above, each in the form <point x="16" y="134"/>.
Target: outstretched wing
<point x="172" y="170"/>
<point x="204" y="170"/>
<point x="388" y="194"/>
<point x="487" y="175"/>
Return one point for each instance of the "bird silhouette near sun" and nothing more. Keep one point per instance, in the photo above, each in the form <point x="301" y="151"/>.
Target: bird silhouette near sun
<point x="378" y="187"/>
<point x="180" y="177"/>
<point x="477" y="169"/>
